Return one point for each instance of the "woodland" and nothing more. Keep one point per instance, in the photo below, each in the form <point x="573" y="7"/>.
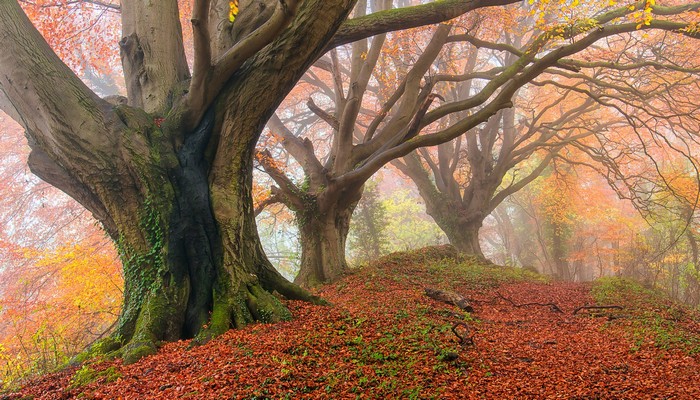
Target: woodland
<point x="442" y="199"/>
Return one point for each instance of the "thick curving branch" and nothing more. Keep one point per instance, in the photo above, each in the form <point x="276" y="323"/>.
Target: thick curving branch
<point x="207" y="85"/>
<point x="407" y="17"/>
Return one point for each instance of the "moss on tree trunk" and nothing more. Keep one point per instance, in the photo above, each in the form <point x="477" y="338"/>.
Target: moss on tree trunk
<point x="187" y="275"/>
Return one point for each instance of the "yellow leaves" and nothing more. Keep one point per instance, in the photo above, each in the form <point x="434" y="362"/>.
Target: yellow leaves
<point x="56" y="303"/>
<point x="691" y="29"/>
<point x="645" y="16"/>
<point x="233" y="10"/>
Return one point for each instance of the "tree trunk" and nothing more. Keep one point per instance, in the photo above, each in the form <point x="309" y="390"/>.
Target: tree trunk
<point x="559" y="251"/>
<point x="186" y="273"/>
<point x="323" y="238"/>
<point x="462" y="234"/>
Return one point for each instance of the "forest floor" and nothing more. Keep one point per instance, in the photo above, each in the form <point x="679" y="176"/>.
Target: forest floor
<point x="384" y="338"/>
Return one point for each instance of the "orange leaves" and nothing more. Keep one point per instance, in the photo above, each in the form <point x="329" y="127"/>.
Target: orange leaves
<point x="83" y="34"/>
<point x="383" y="338"/>
<point x="60" y="282"/>
<point x="56" y="303"/>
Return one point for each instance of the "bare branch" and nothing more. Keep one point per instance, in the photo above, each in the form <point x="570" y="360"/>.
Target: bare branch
<point x="407" y="17"/>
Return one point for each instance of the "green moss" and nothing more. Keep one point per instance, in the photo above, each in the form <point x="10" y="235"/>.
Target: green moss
<point x="654" y="319"/>
<point x="87" y="375"/>
<point x="268" y="307"/>
<point x="614" y="289"/>
<point x="143" y="269"/>
<point x="135" y="351"/>
<point x="106" y="348"/>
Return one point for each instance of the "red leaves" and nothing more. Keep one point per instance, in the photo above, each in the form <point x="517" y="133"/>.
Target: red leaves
<point x="385" y="338"/>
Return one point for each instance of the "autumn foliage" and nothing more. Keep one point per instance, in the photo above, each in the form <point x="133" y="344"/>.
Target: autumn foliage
<point x="60" y="280"/>
<point x="383" y="338"/>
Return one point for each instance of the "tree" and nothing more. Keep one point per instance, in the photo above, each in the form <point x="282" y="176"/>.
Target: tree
<point x="167" y="170"/>
<point x="573" y="104"/>
<point x="368" y="228"/>
<point x="370" y="127"/>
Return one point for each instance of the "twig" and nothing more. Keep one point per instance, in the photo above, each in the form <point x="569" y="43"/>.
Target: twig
<point x="463" y="341"/>
<point x="597" y="308"/>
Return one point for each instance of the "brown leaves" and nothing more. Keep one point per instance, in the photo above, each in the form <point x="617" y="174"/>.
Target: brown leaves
<point x="384" y="338"/>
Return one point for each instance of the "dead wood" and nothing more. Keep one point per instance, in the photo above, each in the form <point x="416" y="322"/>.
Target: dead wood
<point x="465" y="339"/>
<point x="552" y="306"/>
<point x="449" y="298"/>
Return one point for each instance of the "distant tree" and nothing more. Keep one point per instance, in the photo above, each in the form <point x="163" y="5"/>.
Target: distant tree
<point x="381" y="107"/>
<point x="577" y="104"/>
<point x="368" y="228"/>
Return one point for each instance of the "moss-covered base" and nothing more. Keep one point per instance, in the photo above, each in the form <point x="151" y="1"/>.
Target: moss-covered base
<point x="107" y="348"/>
<point x="235" y="309"/>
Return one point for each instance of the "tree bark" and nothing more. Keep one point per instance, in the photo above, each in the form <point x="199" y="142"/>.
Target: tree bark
<point x="323" y="240"/>
<point x="463" y="235"/>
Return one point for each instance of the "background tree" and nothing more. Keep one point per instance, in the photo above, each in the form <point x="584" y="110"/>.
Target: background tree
<point x="568" y="103"/>
<point x="368" y="228"/>
<point x="333" y="181"/>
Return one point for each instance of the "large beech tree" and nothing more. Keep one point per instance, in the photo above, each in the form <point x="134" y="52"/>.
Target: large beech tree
<point x="167" y="170"/>
<point x="366" y="136"/>
<point x="634" y="101"/>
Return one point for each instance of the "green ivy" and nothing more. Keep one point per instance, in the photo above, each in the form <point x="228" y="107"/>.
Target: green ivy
<point x="142" y="269"/>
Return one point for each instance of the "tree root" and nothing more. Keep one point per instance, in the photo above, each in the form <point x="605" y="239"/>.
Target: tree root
<point x="552" y="306"/>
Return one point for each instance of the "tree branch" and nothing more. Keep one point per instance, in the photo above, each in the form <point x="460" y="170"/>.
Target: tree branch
<point x="405" y="18"/>
<point x="330" y="120"/>
<point x="204" y="90"/>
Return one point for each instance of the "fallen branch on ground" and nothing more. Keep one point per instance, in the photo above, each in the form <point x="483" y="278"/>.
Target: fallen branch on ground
<point x="552" y="306"/>
<point x="449" y="298"/>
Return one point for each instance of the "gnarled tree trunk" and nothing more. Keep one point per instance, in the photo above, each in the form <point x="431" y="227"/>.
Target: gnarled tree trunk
<point x="323" y="238"/>
<point x="168" y="172"/>
<point x="462" y="234"/>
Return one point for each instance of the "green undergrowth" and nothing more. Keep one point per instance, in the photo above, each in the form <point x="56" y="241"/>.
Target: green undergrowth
<point x="86" y="375"/>
<point x="653" y="319"/>
<point x="444" y="267"/>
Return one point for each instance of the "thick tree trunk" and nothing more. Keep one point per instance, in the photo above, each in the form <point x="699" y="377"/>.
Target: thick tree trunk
<point x="462" y="233"/>
<point x="192" y="267"/>
<point x="323" y="240"/>
<point x="245" y="278"/>
<point x="466" y="239"/>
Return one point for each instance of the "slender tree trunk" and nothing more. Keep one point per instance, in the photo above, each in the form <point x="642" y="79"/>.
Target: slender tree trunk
<point x="323" y="240"/>
<point x="559" y="252"/>
<point x="693" y="289"/>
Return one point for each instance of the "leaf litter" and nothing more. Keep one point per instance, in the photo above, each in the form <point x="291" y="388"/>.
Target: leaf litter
<point x="382" y="337"/>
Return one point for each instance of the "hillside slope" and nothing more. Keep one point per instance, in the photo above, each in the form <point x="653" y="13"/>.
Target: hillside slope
<point x="384" y="338"/>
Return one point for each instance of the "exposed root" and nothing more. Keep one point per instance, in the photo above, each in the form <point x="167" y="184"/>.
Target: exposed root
<point x="552" y="306"/>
